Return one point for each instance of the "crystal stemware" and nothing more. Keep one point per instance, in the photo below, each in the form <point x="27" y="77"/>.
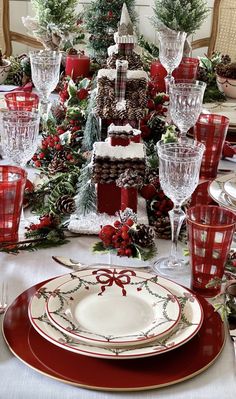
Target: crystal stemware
<point x="171" y="45"/>
<point x="179" y="166"/>
<point x="45" y="70"/>
<point x="186" y="104"/>
<point x="20" y="135"/>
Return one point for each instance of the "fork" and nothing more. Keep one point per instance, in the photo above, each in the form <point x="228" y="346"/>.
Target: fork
<point x="3" y="297"/>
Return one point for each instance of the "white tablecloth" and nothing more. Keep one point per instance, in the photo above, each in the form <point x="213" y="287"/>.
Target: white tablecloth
<point x="18" y="381"/>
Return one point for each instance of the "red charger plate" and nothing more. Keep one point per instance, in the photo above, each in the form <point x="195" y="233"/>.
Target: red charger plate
<point x="109" y="375"/>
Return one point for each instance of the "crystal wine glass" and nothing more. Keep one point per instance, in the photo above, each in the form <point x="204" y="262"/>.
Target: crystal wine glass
<point x="179" y="166"/>
<point x="186" y="104"/>
<point x="20" y="135"/>
<point x="171" y="45"/>
<point x="45" y="70"/>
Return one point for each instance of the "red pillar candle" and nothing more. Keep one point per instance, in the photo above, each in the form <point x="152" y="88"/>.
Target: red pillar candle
<point x="77" y="65"/>
<point x="129" y="198"/>
<point x="158" y="74"/>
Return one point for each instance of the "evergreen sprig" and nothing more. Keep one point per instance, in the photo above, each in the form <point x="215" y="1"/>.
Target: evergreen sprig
<point x="86" y="197"/>
<point x="180" y="15"/>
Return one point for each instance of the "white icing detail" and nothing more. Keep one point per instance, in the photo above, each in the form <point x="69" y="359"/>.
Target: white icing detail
<point x="111" y="74"/>
<point x="121" y="105"/>
<point x="126" y="128"/>
<point x="133" y="150"/>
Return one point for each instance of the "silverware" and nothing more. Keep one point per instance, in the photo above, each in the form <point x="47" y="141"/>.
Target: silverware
<point x="230" y="292"/>
<point x="77" y="266"/>
<point x="232" y="330"/>
<point x="3" y="297"/>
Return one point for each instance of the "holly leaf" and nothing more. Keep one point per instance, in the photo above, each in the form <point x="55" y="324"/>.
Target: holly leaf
<point x="145" y="253"/>
<point x="99" y="247"/>
<point x="84" y="83"/>
<point x="72" y="89"/>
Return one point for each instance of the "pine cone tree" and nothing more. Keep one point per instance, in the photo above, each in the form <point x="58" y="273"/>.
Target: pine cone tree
<point x="57" y="165"/>
<point x="142" y="235"/>
<point x="65" y="205"/>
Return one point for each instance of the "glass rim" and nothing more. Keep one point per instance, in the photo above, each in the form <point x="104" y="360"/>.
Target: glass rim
<point x="187" y="84"/>
<point x="225" y="120"/>
<point x="17" y="170"/>
<point x="219" y="226"/>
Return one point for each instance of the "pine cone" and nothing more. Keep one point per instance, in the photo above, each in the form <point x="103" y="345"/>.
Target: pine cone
<point x="162" y="228"/>
<point x="59" y="112"/>
<point x="65" y="205"/>
<point x="57" y="165"/>
<point x="17" y="78"/>
<point x="142" y="235"/>
<point x="225" y="59"/>
<point x="202" y="75"/>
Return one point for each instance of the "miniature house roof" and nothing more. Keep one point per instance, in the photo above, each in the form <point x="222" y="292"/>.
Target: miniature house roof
<point x="125" y="32"/>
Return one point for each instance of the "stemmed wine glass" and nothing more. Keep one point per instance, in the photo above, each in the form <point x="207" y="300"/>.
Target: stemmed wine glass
<point x="20" y="135"/>
<point x="185" y="106"/>
<point x="45" y="70"/>
<point x="171" y="45"/>
<point x="179" y="166"/>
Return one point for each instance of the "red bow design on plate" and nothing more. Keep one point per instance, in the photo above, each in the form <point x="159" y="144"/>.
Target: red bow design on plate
<point x="108" y="277"/>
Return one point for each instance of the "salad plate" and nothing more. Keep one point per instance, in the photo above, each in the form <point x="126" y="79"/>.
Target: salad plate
<point x="189" y="324"/>
<point x="217" y="193"/>
<point x="106" y="375"/>
<point x="230" y="188"/>
<point x="113" y="307"/>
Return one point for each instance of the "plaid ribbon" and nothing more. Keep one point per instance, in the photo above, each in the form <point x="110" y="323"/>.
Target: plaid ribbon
<point x="125" y="48"/>
<point x="121" y="78"/>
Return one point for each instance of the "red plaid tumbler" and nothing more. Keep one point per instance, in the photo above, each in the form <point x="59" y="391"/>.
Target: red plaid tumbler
<point x="210" y="233"/>
<point x="12" y="185"/>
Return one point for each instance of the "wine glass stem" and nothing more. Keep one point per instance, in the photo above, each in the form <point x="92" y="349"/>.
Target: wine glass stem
<point x="168" y="80"/>
<point x="177" y="217"/>
<point x="45" y="106"/>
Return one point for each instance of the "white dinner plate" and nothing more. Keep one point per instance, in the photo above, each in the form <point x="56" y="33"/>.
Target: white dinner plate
<point x="112" y="307"/>
<point x="188" y="326"/>
<point x="218" y="194"/>
<point x="230" y="188"/>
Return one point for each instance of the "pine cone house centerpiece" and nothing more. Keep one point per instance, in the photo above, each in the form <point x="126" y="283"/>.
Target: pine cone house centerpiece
<point x="226" y="78"/>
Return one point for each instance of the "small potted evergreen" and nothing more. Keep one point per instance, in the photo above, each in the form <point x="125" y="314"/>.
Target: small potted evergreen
<point x="226" y="78"/>
<point x="5" y="66"/>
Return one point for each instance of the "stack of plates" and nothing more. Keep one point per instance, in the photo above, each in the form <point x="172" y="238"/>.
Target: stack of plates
<point x="223" y="191"/>
<point x="115" y="313"/>
<point x="85" y="328"/>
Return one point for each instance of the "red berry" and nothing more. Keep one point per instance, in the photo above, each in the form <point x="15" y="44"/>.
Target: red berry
<point x="128" y="252"/>
<point x="129" y="222"/>
<point x="58" y="147"/>
<point x="41" y="155"/>
<point x="117" y="223"/>
<point x="69" y="157"/>
<point x="56" y="139"/>
<point x="125" y="235"/>
<point x="107" y="231"/>
<point x="35" y="157"/>
<point x="37" y="164"/>
<point x="121" y="252"/>
<point x="124" y="228"/>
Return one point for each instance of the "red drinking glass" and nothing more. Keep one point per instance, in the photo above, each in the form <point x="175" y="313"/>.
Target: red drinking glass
<point x="12" y="185"/>
<point x="187" y="69"/>
<point x="22" y="101"/>
<point x="201" y="195"/>
<point x="211" y="130"/>
<point x="210" y="233"/>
